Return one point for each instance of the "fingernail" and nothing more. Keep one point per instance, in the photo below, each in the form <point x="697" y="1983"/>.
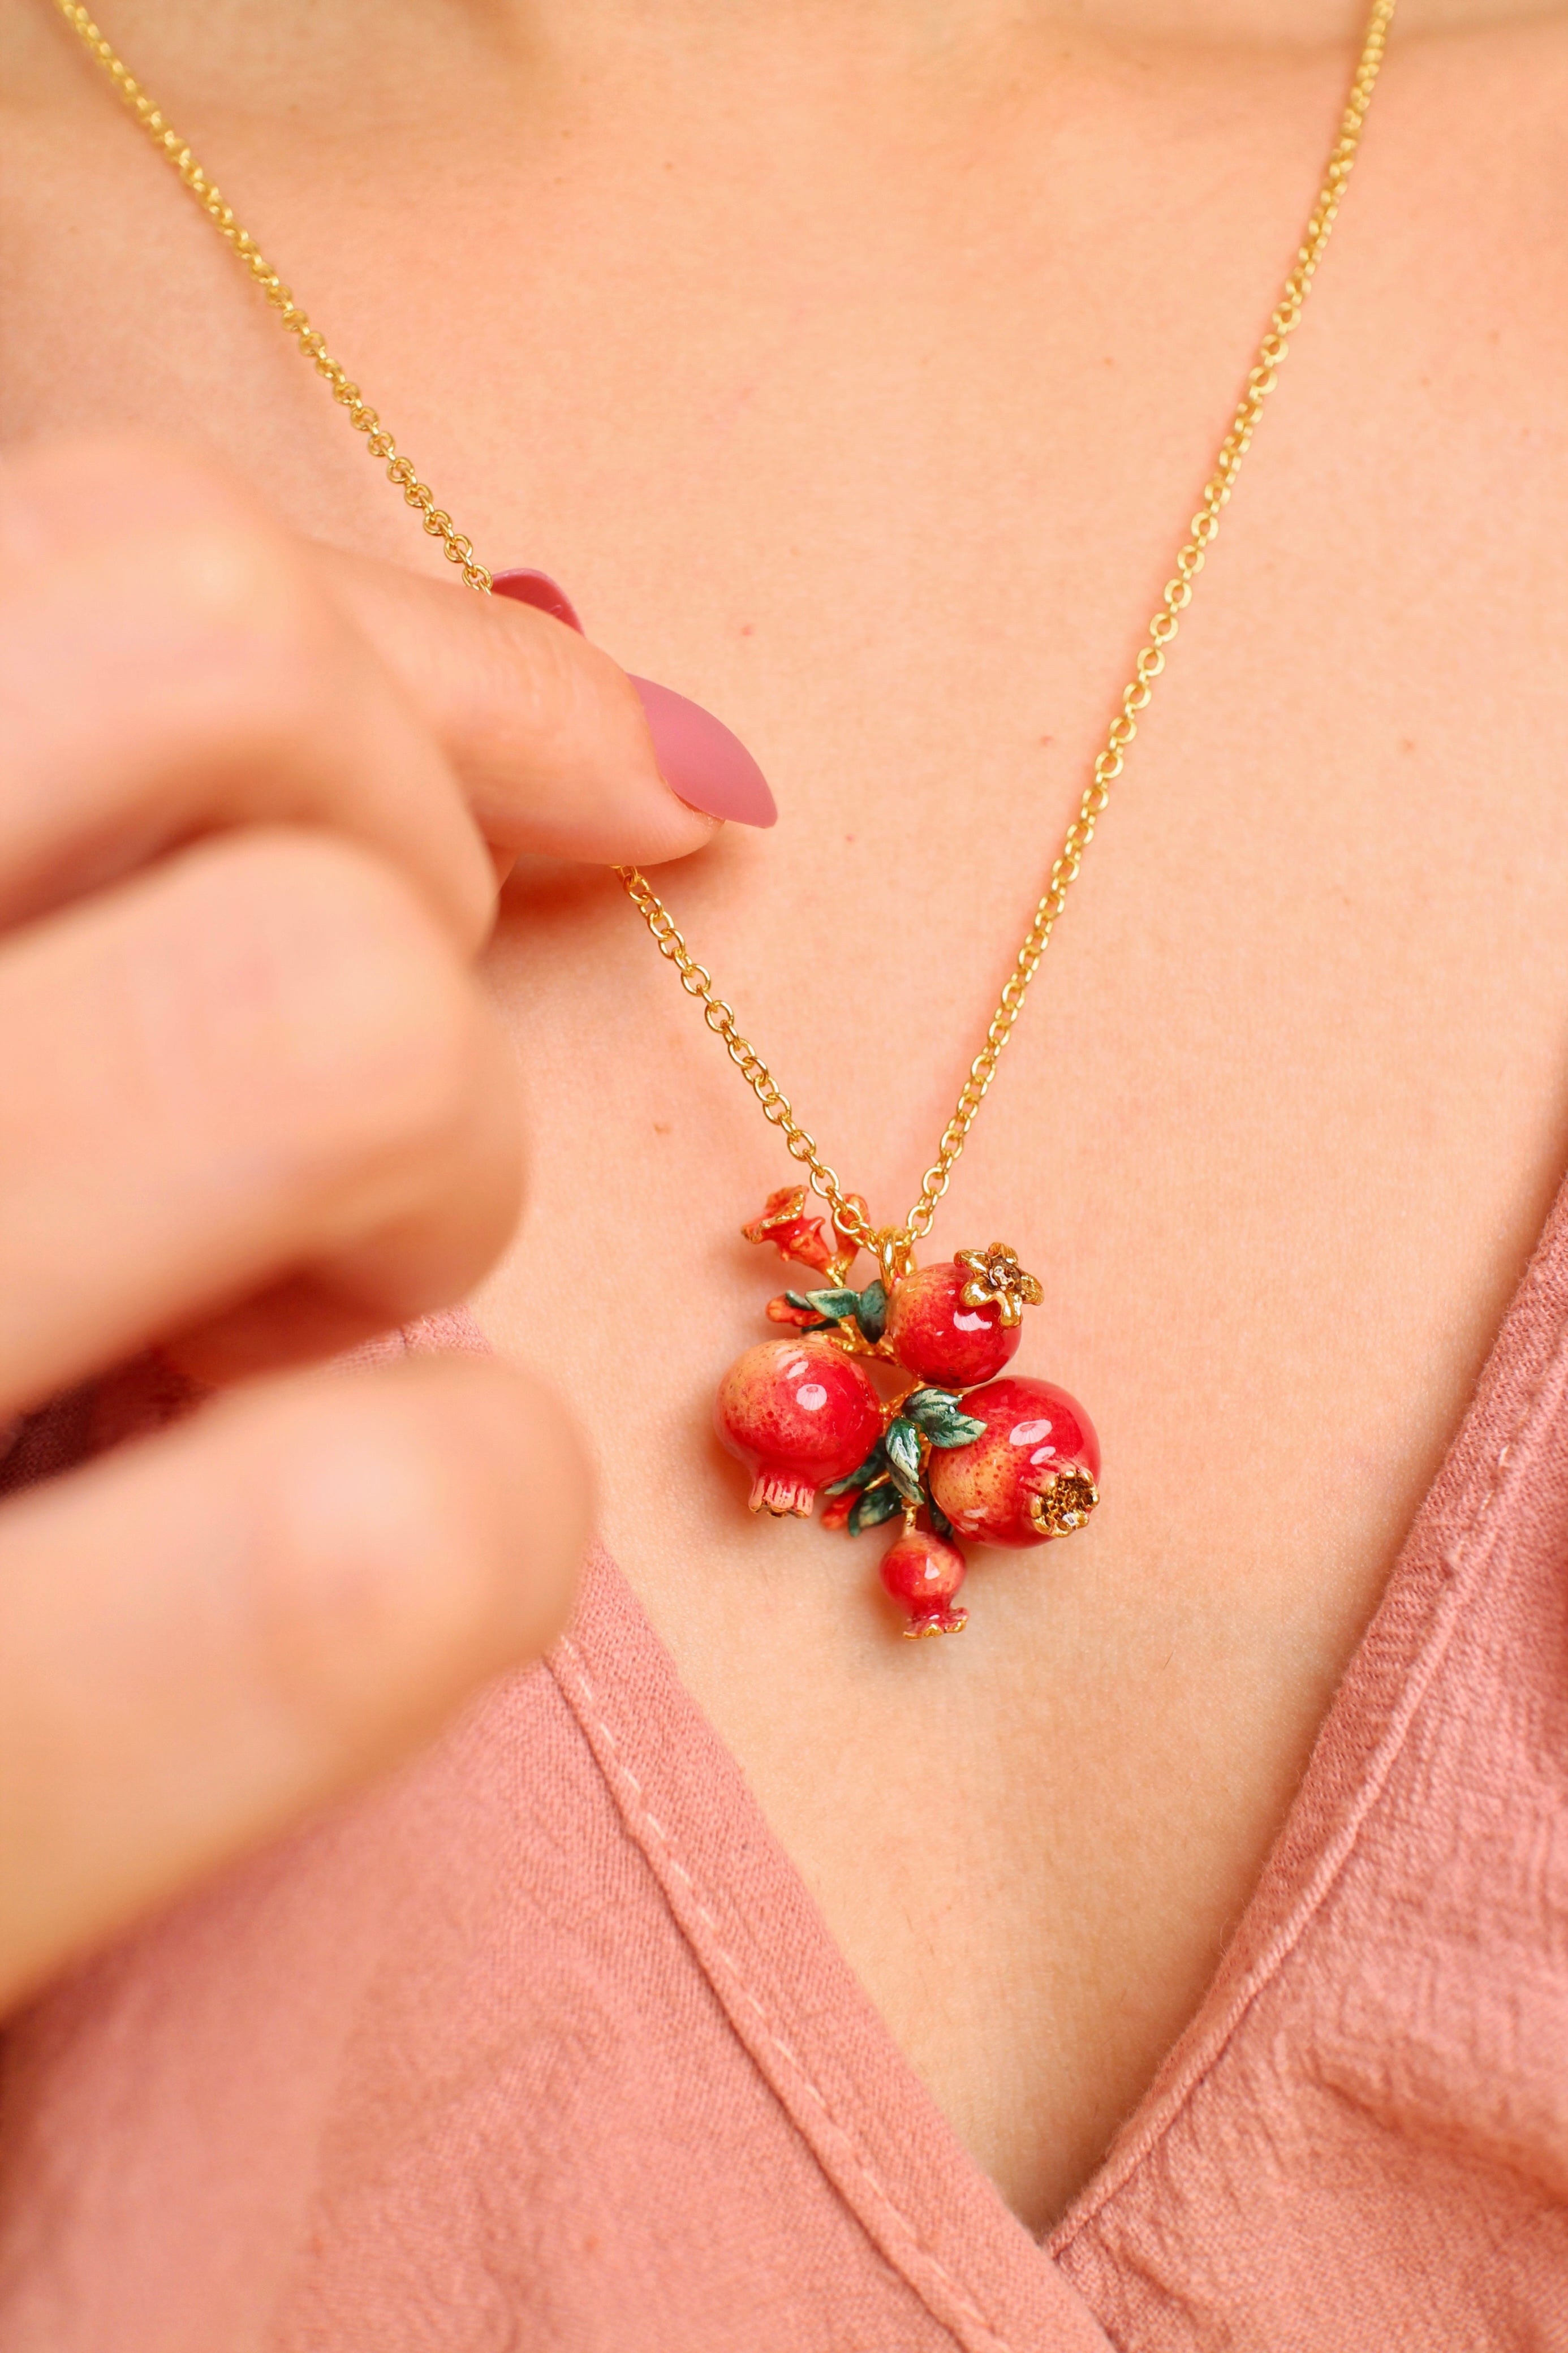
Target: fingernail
<point x="700" y="760"/>
<point x="538" y="589"/>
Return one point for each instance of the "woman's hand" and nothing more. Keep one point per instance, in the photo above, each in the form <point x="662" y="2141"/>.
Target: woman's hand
<point x="253" y="1109"/>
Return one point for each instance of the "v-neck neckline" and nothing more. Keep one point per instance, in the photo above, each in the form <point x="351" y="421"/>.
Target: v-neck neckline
<point x="810" y="2026"/>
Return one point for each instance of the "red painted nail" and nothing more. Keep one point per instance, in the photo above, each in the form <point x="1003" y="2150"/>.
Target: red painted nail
<point x="538" y="589"/>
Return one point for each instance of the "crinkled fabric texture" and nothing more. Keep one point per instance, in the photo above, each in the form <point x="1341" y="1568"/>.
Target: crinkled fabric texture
<point x="543" y="2045"/>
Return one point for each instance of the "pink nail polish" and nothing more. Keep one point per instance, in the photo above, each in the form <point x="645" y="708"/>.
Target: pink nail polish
<point x="700" y="760"/>
<point x="538" y="589"/>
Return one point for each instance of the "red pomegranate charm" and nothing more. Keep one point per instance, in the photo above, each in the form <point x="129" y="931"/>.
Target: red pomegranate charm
<point x="936" y="1335"/>
<point x="798" y="1413"/>
<point x="1030" y="1476"/>
<point x="953" y="1451"/>
<point x="924" y="1573"/>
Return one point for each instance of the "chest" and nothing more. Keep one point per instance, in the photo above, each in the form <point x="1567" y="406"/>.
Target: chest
<point x="881" y="446"/>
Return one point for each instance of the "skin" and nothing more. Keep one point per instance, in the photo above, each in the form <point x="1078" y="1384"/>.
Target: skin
<point x="871" y="417"/>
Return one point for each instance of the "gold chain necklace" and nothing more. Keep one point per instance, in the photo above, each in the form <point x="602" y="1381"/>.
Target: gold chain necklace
<point x="955" y="1451"/>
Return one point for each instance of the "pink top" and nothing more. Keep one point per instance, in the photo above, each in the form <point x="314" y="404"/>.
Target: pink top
<point x="545" y="2046"/>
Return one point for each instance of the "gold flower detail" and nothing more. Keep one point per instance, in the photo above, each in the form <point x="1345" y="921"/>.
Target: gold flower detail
<point x="996" y="1280"/>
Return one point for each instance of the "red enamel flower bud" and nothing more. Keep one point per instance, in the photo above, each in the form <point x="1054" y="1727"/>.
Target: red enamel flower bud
<point x="800" y="1413"/>
<point x="936" y="1338"/>
<point x="784" y="1222"/>
<point x="924" y="1573"/>
<point x="1030" y="1476"/>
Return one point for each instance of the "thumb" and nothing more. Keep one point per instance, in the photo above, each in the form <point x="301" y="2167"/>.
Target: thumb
<point x="561" y="752"/>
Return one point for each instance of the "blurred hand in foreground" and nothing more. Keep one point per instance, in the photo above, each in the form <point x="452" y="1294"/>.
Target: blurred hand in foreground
<point x="253" y="797"/>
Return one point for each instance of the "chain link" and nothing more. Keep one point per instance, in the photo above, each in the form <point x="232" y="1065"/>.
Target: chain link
<point x="1110" y="760"/>
<point x="848" y="1214"/>
<point x="293" y="321"/>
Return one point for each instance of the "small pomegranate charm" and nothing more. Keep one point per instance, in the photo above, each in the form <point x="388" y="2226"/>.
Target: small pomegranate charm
<point x="953" y="1451"/>
<point x="798" y="1413"/>
<point x="937" y="1336"/>
<point x="924" y="1573"/>
<point x="1030" y="1476"/>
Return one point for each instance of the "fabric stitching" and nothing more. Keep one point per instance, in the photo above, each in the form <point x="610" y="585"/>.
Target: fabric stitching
<point x="1335" y="1860"/>
<point x="861" y="2165"/>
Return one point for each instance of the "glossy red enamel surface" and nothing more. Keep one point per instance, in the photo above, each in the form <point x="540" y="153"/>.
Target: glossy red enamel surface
<point x="923" y="1573"/>
<point x="938" y="1339"/>
<point x="799" y="1413"/>
<point x="1032" y="1431"/>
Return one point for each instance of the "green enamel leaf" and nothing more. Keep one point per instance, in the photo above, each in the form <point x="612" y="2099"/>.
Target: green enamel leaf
<point x="958" y="1430"/>
<point x="902" y="1447"/>
<point x="834" y="1304"/>
<point x="940" y="1415"/>
<point x="877" y="1505"/>
<point x="873" y="1467"/>
<point x="924" y="1407"/>
<point x="938" y="1519"/>
<point x="871" y="1311"/>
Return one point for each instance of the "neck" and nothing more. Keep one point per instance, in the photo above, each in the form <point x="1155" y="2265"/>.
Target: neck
<point x="1288" y="23"/>
<point x="336" y="53"/>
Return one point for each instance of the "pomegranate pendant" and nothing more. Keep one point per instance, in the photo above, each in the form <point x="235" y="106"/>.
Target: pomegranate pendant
<point x="955" y="1450"/>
